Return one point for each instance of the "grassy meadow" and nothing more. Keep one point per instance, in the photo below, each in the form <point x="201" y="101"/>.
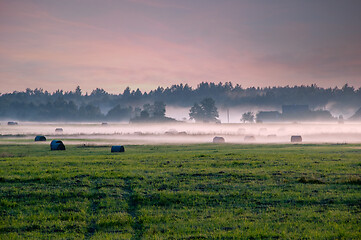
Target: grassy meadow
<point x="202" y="191"/>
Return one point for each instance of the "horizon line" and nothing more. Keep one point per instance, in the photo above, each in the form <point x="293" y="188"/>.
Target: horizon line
<point x="186" y="84"/>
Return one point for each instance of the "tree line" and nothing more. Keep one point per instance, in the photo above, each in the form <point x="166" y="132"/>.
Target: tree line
<point x="38" y="104"/>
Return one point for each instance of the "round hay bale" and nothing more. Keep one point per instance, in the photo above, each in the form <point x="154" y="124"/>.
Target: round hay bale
<point x="117" y="149"/>
<point x="249" y="138"/>
<point x="40" y="138"/>
<point x="241" y="130"/>
<point x="171" y="132"/>
<point x="296" y="139"/>
<point x="57" y="145"/>
<point x="219" y="140"/>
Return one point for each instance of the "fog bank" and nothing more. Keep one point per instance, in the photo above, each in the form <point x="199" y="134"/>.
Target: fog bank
<point x="184" y="133"/>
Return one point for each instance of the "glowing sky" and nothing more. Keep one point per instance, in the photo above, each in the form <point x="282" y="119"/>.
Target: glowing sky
<point x="112" y="44"/>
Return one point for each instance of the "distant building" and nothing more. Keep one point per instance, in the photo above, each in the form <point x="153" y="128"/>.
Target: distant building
<point x="295" y="110"/>
<point x="303" y="113"/>
<point x="268" y="116"/>
<point x="295" y="113"/>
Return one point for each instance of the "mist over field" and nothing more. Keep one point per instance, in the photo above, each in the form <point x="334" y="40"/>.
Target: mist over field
<point x="184" y="133"/>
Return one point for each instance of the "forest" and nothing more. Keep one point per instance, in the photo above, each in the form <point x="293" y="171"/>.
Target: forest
<point x="40" y="105"/>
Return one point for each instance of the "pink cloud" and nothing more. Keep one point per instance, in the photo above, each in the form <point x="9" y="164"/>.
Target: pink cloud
<point x="40" y="48"/>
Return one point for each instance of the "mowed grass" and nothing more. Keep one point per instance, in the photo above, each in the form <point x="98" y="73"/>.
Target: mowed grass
<point x="181" y="192"/>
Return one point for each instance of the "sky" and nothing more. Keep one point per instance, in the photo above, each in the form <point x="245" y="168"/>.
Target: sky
<point x="112" y="44"/>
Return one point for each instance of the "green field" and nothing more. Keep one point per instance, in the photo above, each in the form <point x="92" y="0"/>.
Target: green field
<point x="181" y="192"/>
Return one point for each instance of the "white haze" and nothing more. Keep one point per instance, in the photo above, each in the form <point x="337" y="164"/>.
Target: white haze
<point x="230" y="115"/>
<point x="184" y="133"/>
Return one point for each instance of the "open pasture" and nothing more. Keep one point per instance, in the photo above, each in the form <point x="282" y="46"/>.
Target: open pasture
<point x="223" y="191"/>
<point x="183" y="133"/>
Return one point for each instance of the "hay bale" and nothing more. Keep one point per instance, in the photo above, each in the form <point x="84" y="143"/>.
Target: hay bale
<point x="296" y="139"/>
<point x="57" y="145"/>
<point x="219" y="140"/>
<point x="117" y="149"/>
<point x="40" y="138"/>
<point x="249" y="138"/>
<point x="241" y="130"/>
<point x="171" y="132"/>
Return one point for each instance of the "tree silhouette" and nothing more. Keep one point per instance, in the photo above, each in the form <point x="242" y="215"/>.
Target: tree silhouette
<point x="119" y="113"/>
<point x="159" y="109"/>
<point x="40" y="105"/>
<point x="196" y="113"/>
<point x="205" y="112"/>
<point x="151" y="113"/>
<point x="78" y="91"/>
<point x="248" y="117"/>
